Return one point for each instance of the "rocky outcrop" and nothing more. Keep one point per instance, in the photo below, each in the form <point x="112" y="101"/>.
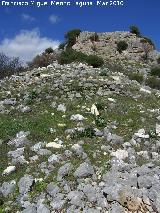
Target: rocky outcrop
<point x="106" y="46"/>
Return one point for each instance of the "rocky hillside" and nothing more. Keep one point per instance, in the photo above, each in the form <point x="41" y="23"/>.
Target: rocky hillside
<point x="76" y="139"/>
<point x="105" y="46"/>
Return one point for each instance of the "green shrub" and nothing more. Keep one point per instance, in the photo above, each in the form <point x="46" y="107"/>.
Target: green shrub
<point x="136" y="76"/>
<point x="121" y="46"/>
<point x="31" y="97"/>
<point x="69" y="56"/>
<point x="61" y="46"/>
<point x="155" y="71"/>
<point x="88" y="132"/>
<point x="135" y="30"/>
<point x="94" y="37"/>
<point x="103" y="73"/>
<point x="153" y="82"/>
<point x="100" y="121"/>
<point x="152" y="133"/>
<point x="94" y="61"/>
<point x="49" y="50"/>
<point x="71" y="36"/>
<point x="100" y="105"/>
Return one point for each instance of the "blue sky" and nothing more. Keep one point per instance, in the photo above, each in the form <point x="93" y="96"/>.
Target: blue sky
<point x="26" y="31"/>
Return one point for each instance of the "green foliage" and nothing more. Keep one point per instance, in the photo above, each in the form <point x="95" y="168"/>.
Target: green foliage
<point x="136" y="76"/>
<point x="94" y="61"/>
<point x="31" y="97"/>
<point x="71" y="36"/>
<point x="152" y="134"/>
<point x="100" y="106"/>
<point x="49" y="50"/>
<point x="61" y="46"/>
<point x="70" y="56"/>
<point x="155" y="71"/>
<point x="38" y="187"/>
<point x="104" y="72"/>
<point x="122" y="45"/>
<point x="94" y="37"/>
<point x="87" y="133"/>
<point x="135" y="30"/>
<point x="100" y="121"/>
<point x="153" y="82"/>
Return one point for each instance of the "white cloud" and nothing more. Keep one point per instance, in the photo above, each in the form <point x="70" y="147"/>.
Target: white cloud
<point x="54" y="19"/>
<point x="27" y="17"/>
<point x="27" y="44"/>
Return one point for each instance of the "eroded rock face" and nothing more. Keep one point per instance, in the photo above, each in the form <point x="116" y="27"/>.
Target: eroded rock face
<point x="106" y="46"/>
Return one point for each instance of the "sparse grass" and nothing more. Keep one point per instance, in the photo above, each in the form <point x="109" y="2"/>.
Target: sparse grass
<point x="155" y="71"/>
<point x="125" y="113"/>
<point x="153" y="82"/>
<point x="87" y="133"/>
<point x="136" y="76"/>
<point x="100" y="121"/>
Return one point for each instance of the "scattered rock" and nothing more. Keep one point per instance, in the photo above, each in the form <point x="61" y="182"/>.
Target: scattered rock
<point x="52" y="189"/>
<point x="76" y="198"/>
<point x="54" y="145"/>
<point x="9" y="170"/>
<point x="25" y="184"/>
<point x="77" y="117"/>
<point x="61" y="108"/>
<point x="84" y="170"/>
<point x="8" y="188"/>
<point x="120" y="154"/>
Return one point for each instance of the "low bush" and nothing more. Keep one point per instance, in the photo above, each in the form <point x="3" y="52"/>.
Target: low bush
<point x="153" y="82"/>
<point x="71" y="36"/>
<point x="61" y="46"/>
<point x="155" y="71"/>
<point x="88" y="132"/>
<point x="103" y="73"/>
<point x="70" y="55"/>
<point x="136" y="76"/>
<point x="135" y="30"/>
<point x="100" y="121"/>
<point x="121" y="46"/>
<point x="100" y="106"/>
<point x="49" y="50"/>
<point x="94" y="61"/>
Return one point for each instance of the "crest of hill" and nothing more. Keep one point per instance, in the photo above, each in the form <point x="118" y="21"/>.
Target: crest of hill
<point x="138" y="48"/>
